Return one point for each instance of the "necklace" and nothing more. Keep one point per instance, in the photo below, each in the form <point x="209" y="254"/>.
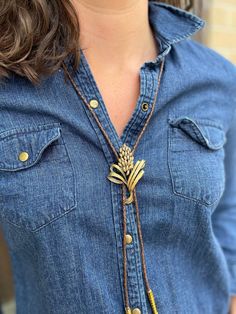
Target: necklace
<point x="127" y="174"/>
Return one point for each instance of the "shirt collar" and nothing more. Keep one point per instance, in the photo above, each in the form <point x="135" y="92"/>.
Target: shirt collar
<point x="171" y="25"/>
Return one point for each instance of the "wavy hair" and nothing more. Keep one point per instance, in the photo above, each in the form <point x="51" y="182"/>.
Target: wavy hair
<point x="37" y="35"/>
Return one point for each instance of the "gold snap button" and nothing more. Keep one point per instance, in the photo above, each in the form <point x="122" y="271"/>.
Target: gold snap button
<point x="136" y="311"/>
<point x="93" y="103"/>
<point x="128" y="238"/>
<point x="23" y="156"/>
<point x="145" y="106"/>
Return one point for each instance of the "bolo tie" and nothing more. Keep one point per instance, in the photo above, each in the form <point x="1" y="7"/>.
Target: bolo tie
<point x="127" y="173"/>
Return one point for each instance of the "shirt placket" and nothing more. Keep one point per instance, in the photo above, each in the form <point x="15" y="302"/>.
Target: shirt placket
<point x="90" y="93"/>
<point x="136" y="289"/>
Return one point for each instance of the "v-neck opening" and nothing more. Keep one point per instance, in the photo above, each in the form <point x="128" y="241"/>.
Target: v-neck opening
<point x="120" y="140"/>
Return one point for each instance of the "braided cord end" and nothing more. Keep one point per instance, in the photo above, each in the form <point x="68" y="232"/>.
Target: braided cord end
<point x="128" y="310"/>
<point x="152" y="302"/>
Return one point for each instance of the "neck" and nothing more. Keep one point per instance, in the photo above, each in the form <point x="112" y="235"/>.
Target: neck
<point x="117" y="32"/>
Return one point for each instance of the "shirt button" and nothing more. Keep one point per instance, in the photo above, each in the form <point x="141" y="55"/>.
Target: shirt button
<point x="136" y="311"/>
<point x="128" y="238"/>
<point x="23" y="156"/>
<point x="145" y="106"/>
<point x="93" y="103"/>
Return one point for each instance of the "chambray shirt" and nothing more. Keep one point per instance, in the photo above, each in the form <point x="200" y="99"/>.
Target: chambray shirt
<point x="62" y="217"/>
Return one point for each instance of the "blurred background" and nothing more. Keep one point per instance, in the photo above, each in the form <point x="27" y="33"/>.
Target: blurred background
<point x="218" y="34"/>
<point x="220" y="30"/>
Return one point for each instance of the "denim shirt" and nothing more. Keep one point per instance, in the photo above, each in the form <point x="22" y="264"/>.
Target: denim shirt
<point x="62" y="217"/>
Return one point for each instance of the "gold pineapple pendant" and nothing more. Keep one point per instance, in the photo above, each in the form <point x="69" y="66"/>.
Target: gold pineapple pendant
<point x="125" y="171"/>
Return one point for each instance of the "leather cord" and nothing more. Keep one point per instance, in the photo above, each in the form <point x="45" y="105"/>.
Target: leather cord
<point x="134" y="196"/>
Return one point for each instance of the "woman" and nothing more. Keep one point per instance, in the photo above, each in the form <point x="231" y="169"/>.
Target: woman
<point x="117" y="170"/>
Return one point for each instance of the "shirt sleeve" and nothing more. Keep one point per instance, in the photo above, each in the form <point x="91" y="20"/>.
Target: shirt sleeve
<point x="224" y="216"/>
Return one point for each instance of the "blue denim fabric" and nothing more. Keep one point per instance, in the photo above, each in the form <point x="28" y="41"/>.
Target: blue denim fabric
<point x="62" y="217"/>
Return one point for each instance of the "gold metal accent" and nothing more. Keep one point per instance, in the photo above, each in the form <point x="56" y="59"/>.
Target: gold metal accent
<point x="152" y="302"/>
<point x="145" y="106"/>
<point x="128" y="173"/>
<point x="128" y="310"/>
<point x="23" y="156"/>
<point x="93" y="103"/>
<point x="128" y="238"/>
<point x="136" y="311"/>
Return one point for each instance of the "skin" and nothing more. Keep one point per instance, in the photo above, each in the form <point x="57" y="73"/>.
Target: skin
<point x="233" y="305"/>
<point x="117" y="34"/>
<point x="111" y="32"/>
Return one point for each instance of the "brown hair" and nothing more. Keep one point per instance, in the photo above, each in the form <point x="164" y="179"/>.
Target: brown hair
<point x="36" y="36"/>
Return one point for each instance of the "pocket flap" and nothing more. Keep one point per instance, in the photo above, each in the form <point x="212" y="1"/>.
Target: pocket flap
<point x="32" y="141"/>
<point x="205" y="132"/>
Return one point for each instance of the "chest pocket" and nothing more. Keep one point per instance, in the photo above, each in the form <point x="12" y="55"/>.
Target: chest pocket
<point x="36" y="176"/>
<point x="196" y="158"/>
